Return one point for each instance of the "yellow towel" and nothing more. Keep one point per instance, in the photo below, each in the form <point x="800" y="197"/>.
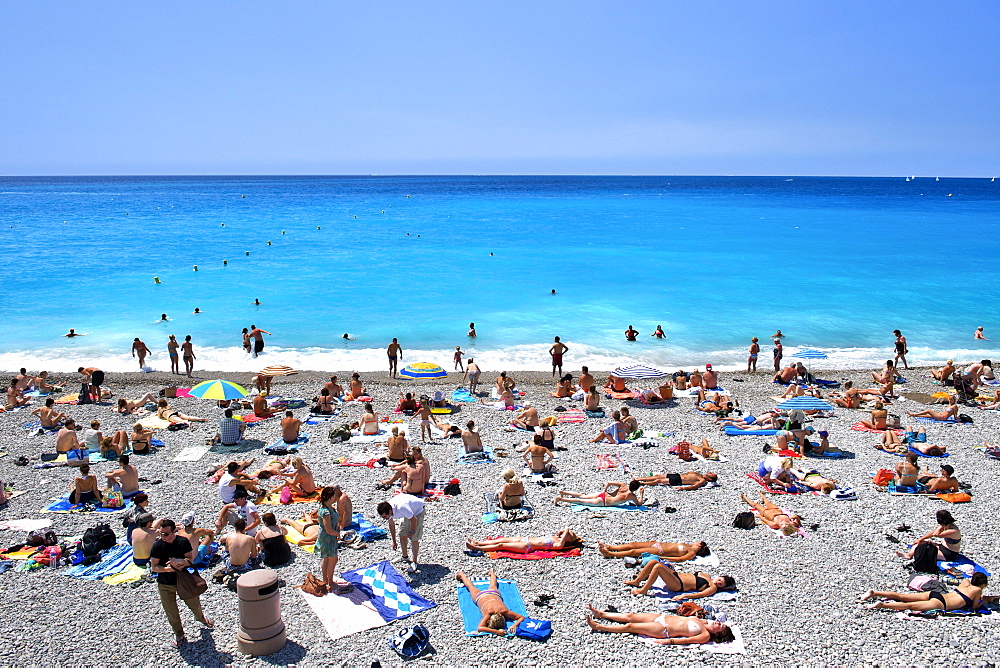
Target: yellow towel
<point x="133" y="573"/>
<point x="153" y="422"/>
<point x="294" y="537"/>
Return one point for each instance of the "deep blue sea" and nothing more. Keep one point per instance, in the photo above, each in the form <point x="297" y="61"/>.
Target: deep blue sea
<point x="835" y="263"/>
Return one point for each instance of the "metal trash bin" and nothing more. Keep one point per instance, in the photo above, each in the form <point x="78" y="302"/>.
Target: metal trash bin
<point x="262" y="631"/>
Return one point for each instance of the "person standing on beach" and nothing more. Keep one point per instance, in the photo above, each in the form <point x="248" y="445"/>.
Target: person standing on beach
<point x="557" y="350"/>
<point x="472" y="330"/>
<point x="172" y="347"/>
<point x="901" y="349"/>
<point x="93" y="378"/>
<point x="779" y="352"/>
<point x="458" y="359"/>
<point x="188" y="350"/>
<point x="472" y="371"/>
<point x="409" y="509"/>
<point x="258" y="339"/>
<point x="752" y="356"/>
<point x="395" y="353"/>
<point x="170" y="554"/>
<point x="247" y="346"/>
<point x="139" y="349"/>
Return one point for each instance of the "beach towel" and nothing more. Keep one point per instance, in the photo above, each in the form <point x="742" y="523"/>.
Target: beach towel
<point x="534" y="555"/>
<point x="963" y="560"/>
<point x="13" y="495"/>
<point x="71" y="398"/>
<point x="463" y="395"/>
<point x="131" y="573"/>
<point x="344" y="614"/>
<point x="628" y="394"/>
<point x="22" y="553"/>
<point x="295" y="538"/>
<point x="62" y="505"/>
<point x="185" y="393"/>
<point x="927" y="419"/>
<point x="192" y="453"/>
<point x="733" y="431"/>
<point x="912" y="449"/>
<point x="153" y="422"/>
<point x="388" y="592"/>
<point x="252" y="419"/>
<point x="470" y="611"/>
<point x="829" y="455"/>
<point x="628" y="507"/>
<point x="493" y="509"/>
<point x="317" y="419"/>
<point x="571" y="416"/>
<point x="381" y="437"/>
<point x="279" y="447"/>
<point x="605" y="461"/>
<point x="365" y="529"/>
<point x="114" y="560"/>
<point x="753" y="475"/>
<point x="25" y="524"/>
<point x="484" y="457"/>
<point x="735" y="646"/>
<point x="273" y="497"/>
<point x="599" y="413"/>
<point x="857" y="426"/>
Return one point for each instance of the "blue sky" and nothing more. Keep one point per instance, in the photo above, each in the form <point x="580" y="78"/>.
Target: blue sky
<point x="466" y="87"/>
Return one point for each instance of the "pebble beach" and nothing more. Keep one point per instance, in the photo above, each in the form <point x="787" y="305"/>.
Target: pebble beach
<point x="797" y="600"/>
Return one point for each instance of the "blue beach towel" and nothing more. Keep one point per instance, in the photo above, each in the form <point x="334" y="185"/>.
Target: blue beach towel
<point x="279" y="447"/>
<point x="484" y="457"/>
<point x="365" y="529"/>
<point x="462" y="395"/>
<point x="62" y="505"/>
<point x="114" y="560"/>
<point x="470" y="611"/>
<point x="829" y="455"/>
<point x="388" y="591"/>
<point x="733" y="431"/>
<point x="927" y="419"/>
<point x="963" y="561"/>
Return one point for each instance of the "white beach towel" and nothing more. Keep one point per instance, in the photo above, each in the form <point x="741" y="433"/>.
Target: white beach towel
<point x="192" y="453"/>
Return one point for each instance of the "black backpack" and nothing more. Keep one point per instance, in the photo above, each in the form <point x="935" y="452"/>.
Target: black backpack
<point x="42" y="537"/>
<point x="925" y="558"/>
<point x="744" y="520"/>
<point x="97" y="539"/>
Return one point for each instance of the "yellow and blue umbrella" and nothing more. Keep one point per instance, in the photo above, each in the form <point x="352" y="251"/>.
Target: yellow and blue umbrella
<point x="423" y="370"/>
<point x="217" y="389"/>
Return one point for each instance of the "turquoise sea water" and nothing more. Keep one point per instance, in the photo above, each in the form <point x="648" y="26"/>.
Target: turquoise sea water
<point x="836" y="263"/>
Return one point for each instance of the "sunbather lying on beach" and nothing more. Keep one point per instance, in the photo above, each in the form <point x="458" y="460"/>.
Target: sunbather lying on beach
<point x="950" y="413"/>
<point x="614" y="494"/>
<point x="892" y="443"/>
<point x="812" y="479"/>
<point x="307" y="525"/>
<point x="698" y="585"/>
<point x="769" y="420"/>
<point x="127" y="407"/>
<point x="490" y="603"/>
<point x="967" y="596"/>
<point x="821" y="448"/>
<point x="564" y="540"/>
<point x="667" y="629"/>
<point x="773" y="516"/>
<point x="714" y="403"/>
<point x="165" y="412"/>
<point x="670" y="551"/>
<point x="684" y="482"/>
<point x="991" y="404"/>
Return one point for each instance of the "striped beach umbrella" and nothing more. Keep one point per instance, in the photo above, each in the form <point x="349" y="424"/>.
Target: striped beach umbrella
<point x="278" y="370"/>
<point x="638" y="372"/>
<point x="806" y="403"/>
<point x="810" y="354"/>
<point x="217" y="389"/>
<point x="422" y="370"/>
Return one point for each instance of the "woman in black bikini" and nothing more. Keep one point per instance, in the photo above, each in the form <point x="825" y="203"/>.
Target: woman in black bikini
<point x="900" y="349"/>
<point x="946" y="531"/>
<point x="967" y="596"/>
<point x="699" y="585"/>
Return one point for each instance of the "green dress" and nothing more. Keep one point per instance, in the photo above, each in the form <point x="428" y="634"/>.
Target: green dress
<point x="327" y="544"/>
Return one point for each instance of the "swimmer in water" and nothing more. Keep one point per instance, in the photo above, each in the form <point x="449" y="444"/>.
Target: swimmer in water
<point x="553" y="291"/>
<point x="72" y="333"/>
<point x="776" y="335"/>
<point x="164" y="318"/>
<point x="197" y="310"/>
<point x="978" y="335"/>
<point x="256" y="302"/>
<point x="472" y="330"/>
<point x="349" y="338"/>
<point x="659" y="333"/>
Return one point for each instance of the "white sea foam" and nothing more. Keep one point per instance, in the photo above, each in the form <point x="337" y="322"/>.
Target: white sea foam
<point x="518" y="357"/>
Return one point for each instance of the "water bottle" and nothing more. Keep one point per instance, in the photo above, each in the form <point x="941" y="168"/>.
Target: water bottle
<point x="55" y="553"/>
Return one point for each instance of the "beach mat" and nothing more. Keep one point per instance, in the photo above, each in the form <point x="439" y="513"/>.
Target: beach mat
<point x="367" y="530"/>
<point x="470" y="611"/>
<point x="920" y="397"/>
<point x="963" y="561"/>
<point x="463" y="395"/>
<point x="733" y="431"/>
<point x="344" y="614"/>
<point x="571" y="416"/>
<point x="153" y="422"/>
<point x="857" y="426"/>
<point x="927" y="419"/>
<point x="388" y="591"/>
<point x="534" y="555"/>
<point x="279" y="447"/>
<point x="113" y="561"/>
<point x="273" y="497"/>
<point x="192" y="453"/>
<point x="484" y="457"/>
<point x="62" y="505"/>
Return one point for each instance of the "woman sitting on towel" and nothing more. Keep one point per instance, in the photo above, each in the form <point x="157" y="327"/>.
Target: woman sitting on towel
<point x="944" y="373"/>
<point x="968" y="597"/>
<point x="324" y="403"/>
<point x="84" y="488"/>
<point x="357" y="389"/>
<point x="668" y="551"/>
<point x="592" y="400"/>
<point x="615" y="384"/>
<point x="946" y="531"/>
<point x="879" y="415"/>
<point x="369" y="421"/>
<point x="950" y="413"/>
<point x="699" y="585"/>
<point x="141" y="438"/>
<point x="512" y="492"/>
<point x="307" y="525"/>
<point x="667" y="629"/>
<point x="565" y="387"/>
<point x="564" y="540"/>
<point x="165" y="412"/>
<point x="773" y="516"/>
<point x="491" y="605"/>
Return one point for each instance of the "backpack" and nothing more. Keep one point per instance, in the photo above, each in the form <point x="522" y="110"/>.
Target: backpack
<point x="40" y="537"/>
<point x="533" y="629"/>
<point x="925" y="558"/>
<point x="97" y="539"/>
<point x="410" y="643"/>
<point x="341" y="433"/>
<point x="744" y="520"/>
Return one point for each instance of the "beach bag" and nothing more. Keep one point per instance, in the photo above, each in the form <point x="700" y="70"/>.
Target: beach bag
<point x="177" y="426"/>
<point x="921" y="582"/>
<point x="411" y="642"/>
<point x="883" y="477"/>
<point x="955" y="497"/>
<point x="84" y="394"/>
<point x="113" y="500"/>
<point x="690" y="609"/>
<point x="684" y="451"/>
<point x="169" y="392"/>
<point x="286" y="495"/>
<point x="533" y="629"/>
<point x="744" y="520"/>
<point x="190" y="585"/>
<point x="313" y="585"/>
<point x="341" y="433"/>
<point x="962" y="417"/>
<point x="41" y="537"/>
<point x="925" y="558"/>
